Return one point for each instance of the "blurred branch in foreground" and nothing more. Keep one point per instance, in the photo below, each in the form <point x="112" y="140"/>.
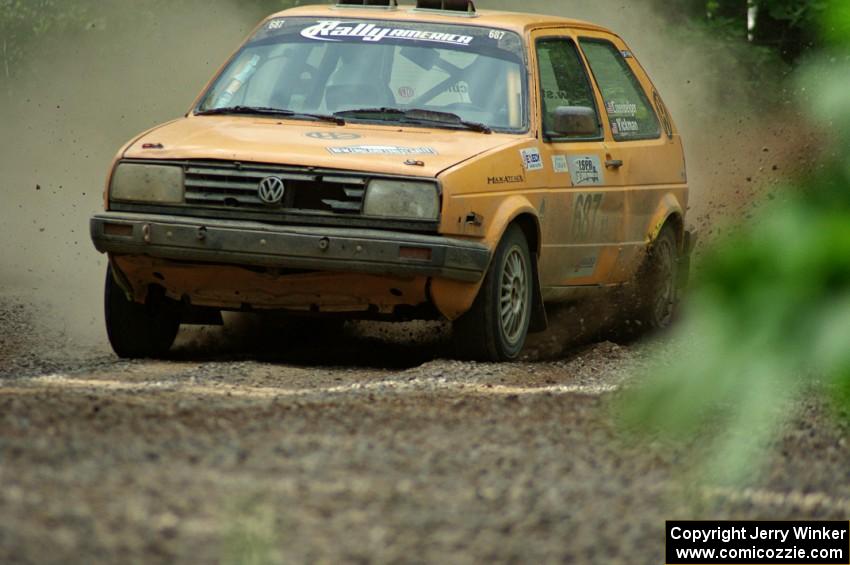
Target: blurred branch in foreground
<point x="769" y="316"/>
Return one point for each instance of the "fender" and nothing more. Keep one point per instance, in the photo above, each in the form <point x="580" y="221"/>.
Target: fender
<point x="668" y="207"/>
<point x="508" y="211"/>
<point x="452" y="298"/>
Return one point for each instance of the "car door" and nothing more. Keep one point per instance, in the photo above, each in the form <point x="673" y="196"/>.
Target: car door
<point x="643" y="150"/>
<point x="583" y="210"/>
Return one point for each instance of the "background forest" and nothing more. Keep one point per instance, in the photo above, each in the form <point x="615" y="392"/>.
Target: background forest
<point x="787" y="28"/>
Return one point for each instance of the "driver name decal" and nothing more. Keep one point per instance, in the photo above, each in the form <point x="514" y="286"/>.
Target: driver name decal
<point x="336" y="31"/>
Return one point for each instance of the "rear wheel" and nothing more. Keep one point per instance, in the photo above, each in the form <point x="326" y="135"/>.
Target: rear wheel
<point x="496" y="327"/>
<point x="138" y="331"/>
<point x="658" y="284"/>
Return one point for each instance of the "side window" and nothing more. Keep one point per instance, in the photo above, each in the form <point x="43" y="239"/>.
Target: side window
<point x="563" y="80"/>
<point x="629" y="110"/>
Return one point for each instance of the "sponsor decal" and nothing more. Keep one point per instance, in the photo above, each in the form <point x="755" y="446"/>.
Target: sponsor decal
<point x="332" y="135"/>
<point x="406" y="92"/>
<point x="586" y="170"/>
<point x="381" y="150"/>
<point x="510" y="179"/>
<point x="276" y="24"/>
<point x="625" y="127"/>
<point x="621" y="108"/>
<point x="531" y="159"/>
<point x="334" y="30"/>
<point x="560" y="164"/>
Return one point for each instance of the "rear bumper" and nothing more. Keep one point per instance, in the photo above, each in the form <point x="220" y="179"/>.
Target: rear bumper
<point x="263" y="245"/>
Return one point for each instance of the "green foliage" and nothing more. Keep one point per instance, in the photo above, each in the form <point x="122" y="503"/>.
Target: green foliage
<point x="835" y="22"/>
<point x="798" y="13"/>
<point x="788" y="28"/>
<point x="35" y="17"/>
<point x="23" y="22"/>
<point x="770" y="314"/>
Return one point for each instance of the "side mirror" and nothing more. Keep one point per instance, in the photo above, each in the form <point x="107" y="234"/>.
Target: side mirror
<point x="575" y="121"/>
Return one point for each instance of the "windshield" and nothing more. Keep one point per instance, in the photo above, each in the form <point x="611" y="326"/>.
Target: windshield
<point x="313" y="67"/>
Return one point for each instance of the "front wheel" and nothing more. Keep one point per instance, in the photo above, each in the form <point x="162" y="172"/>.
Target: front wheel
<point x="496" y="327"/>
<point x="138" y="331"/>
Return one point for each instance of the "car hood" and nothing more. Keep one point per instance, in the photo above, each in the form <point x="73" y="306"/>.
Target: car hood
<point x="355" y="147"/>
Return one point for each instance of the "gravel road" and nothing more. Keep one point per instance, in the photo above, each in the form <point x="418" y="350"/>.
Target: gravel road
<point x="359" y="446"/>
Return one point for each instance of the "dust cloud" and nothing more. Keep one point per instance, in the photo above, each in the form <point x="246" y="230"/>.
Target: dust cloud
<point x="75" y="99"/>
<point x="79" y="95"/>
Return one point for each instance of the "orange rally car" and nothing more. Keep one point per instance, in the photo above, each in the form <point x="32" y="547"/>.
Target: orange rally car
<point x="373" y="161"/>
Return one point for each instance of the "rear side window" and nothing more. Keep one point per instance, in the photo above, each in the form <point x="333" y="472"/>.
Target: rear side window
<point x="563" y="80"/>
<point x="629" y="110"/>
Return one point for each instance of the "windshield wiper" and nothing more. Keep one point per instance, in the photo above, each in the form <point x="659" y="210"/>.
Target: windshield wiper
<point x="416" y="115"/>
<point x="264" y="111"/>
<point x="372" y="113"/>
<point x="448" y="118"/>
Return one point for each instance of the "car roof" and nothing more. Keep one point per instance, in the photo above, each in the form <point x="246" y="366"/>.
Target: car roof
<point x="514" y="21"/>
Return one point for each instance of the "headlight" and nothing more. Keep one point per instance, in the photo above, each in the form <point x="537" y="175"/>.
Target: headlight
<point x="147" y="183"/>
<point x="402" y="199"/>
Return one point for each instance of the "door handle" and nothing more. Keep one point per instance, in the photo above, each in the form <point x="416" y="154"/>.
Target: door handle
<point x="614" y="163"/>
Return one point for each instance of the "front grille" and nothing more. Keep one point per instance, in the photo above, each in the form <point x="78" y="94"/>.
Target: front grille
<point x="236" y="187"/>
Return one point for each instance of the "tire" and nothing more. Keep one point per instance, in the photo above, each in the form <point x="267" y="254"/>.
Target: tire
<point x="658" y="283"/>
<point x="496" y="327"/>
<point x="138" y="331"/>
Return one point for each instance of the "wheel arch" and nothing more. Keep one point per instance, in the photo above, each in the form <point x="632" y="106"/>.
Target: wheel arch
<point x="453" y="298"/>
<point x="516" y="209"/>
<point x="530" y="226"/>
<point x="669" y="212"/>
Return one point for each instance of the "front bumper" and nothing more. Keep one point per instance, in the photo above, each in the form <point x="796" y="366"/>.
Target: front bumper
<point x="288" y="247"/>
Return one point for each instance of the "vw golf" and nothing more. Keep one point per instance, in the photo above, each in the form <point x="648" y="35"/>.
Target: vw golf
<point x="374" y="161"/>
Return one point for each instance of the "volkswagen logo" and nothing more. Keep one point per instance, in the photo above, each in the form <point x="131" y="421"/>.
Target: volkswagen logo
<point x="332" y="135"/>
<point x="271" y="191"/>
